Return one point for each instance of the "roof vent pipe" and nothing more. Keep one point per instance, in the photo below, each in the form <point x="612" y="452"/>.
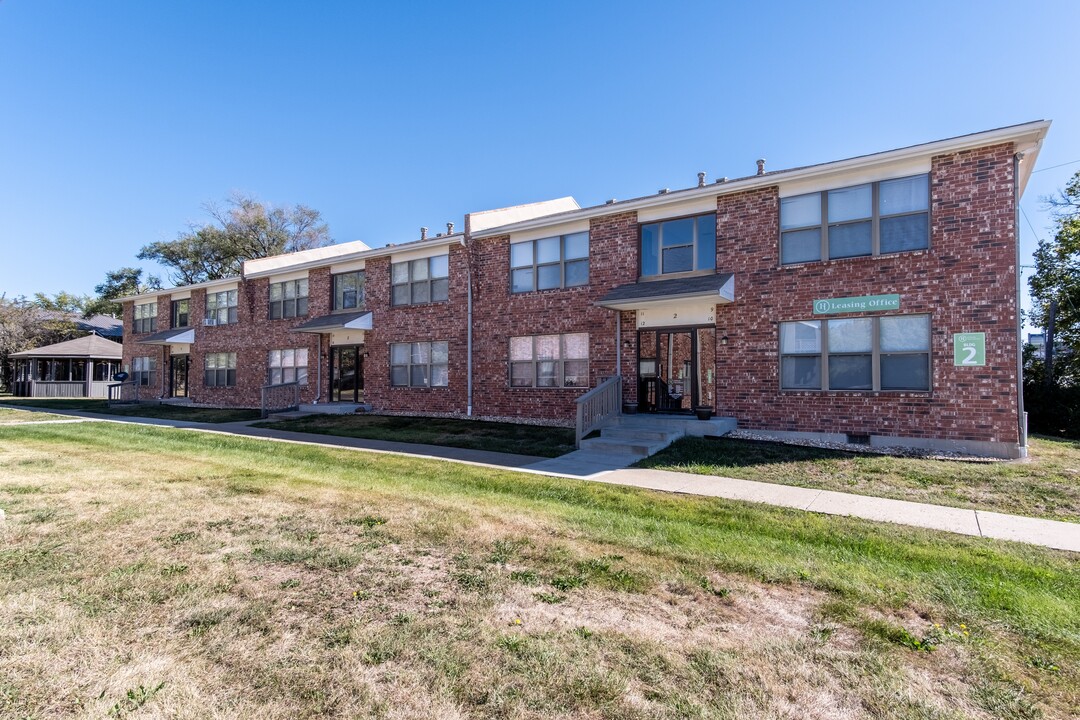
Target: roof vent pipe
<point x="761" y="166"/>
<point x="450" y="228"/>
<point x="423" y="233"/>
<point x="701" y="179"/>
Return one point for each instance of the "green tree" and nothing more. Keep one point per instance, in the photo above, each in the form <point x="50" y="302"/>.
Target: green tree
<point x="242" y="229"/>
<point x="119" y="283"/>
<point x="1057" y="269"/>
<point x="63" y="302"/>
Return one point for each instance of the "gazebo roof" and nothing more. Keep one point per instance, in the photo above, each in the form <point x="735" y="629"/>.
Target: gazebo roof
<point x="91" y="346"/>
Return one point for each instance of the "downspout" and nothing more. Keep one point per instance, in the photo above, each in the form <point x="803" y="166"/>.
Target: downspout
<point x="468" y="324"/>
<point x="1021" y="424"/>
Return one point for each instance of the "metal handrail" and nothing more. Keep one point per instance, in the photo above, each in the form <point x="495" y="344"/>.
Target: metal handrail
<point x="597" y="406"/>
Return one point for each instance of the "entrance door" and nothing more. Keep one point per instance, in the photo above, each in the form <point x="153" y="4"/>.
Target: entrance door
<point x="668" y="370"/>
<point x="178" y="386"/>
<point x="346" y="374"/>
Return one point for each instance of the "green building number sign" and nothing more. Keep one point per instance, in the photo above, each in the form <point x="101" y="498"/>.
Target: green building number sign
<point x="969" y="349"/>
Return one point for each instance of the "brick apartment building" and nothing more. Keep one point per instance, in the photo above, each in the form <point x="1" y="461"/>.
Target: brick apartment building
<point x="873" y="299"/>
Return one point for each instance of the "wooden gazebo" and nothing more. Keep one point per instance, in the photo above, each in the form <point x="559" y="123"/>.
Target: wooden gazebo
<point x="82" y="367"/>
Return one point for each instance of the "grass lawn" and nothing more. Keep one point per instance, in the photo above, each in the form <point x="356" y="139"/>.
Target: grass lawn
<point x="168" y="412"/>
<point x="9" y="416"/>
<point x="149" y="572"/>
<point x="471" y="434"/>
<point x="1046" y="485"/>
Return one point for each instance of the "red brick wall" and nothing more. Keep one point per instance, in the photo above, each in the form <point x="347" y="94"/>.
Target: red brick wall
<point x="442" y="321"/>
<point x="500" y="315"/>
<point x="966" y="281"/>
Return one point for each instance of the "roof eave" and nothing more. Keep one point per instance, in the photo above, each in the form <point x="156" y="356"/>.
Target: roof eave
<point x="1027" y="136"/>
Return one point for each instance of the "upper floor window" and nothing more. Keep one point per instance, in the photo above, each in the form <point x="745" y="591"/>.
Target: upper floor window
<point x="288" y="366"/>
<point x="420" y="364"/>
<point x="348" y="290"/>
<point x="288" y="299"/>
<point x="550" y="361"/>
<point x="145" y="318"/>
<point x="872" y="219"/>
<point x="142" y="371"/>
<point x="682" y="245"/>
<point x="426" y="280"/>
<point x="220" y="369"/>
<point x="554" y="262"/>
<point x="875" y="353"/>
<point x="221" y="308"/>
<point x="180" y="315"/>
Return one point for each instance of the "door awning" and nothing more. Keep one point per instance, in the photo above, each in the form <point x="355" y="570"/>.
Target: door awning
<point x="717" y="287"/>
<point x="176" y="336"/>
<point x="336" y="321"/>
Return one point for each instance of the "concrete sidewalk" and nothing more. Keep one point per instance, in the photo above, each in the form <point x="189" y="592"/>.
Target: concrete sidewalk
<point x="979" y="523"/>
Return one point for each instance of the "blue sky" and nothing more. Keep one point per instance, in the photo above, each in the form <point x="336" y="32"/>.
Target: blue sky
<point x="121" y="118"/>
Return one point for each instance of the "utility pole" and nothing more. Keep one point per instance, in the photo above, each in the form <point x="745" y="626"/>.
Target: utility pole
<point x="1051" y="317"/>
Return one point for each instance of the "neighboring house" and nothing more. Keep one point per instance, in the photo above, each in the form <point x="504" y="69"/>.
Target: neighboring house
<point x="82" y="367"/>
<point x="871" y="299"/>
<point x="104" y="325"/>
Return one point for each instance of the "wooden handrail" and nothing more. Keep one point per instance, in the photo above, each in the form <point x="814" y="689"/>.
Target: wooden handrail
<point x="597" y="406"/>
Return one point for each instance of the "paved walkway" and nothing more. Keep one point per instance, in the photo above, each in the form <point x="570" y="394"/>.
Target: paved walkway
<point x="980" y="523"/>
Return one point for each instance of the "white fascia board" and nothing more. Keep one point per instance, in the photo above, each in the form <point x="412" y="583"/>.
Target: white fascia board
<point x="361" y="323"/>
<point x="1025" y="135"/>
<point x="234" y="281"/>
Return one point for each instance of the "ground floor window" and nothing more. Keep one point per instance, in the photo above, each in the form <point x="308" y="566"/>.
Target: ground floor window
<point x="550" y="361"/>
<point x="142" y="370"/>
<point x="878" y="353"/>
<point x="419" y="364"/>
<point x="220" y="369"/>
<point x="288" y="366"/>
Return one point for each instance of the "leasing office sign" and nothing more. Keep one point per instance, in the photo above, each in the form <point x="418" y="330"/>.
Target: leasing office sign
<point x="866" y="303"/>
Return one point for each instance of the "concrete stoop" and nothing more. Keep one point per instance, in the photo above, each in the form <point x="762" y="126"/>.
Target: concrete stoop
<point x="629" y="438"/>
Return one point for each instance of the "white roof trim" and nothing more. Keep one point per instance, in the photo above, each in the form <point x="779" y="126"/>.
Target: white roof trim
<point x="1028" y="138"/>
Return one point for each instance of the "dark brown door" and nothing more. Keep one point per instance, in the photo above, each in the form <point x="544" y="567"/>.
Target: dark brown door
<point x="346" y="374"/>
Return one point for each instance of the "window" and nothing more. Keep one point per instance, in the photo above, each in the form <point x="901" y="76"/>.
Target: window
<point x="142" y="371"/>
<point x="550" y="361"/>
<point x="554" y="262"/>
<point x="416" y="282"/>
<point x="145" y="318"/>
<point x="221" y="308"/>
<point x="180" y="314"/>
<point x="288" y="299"/>
<point x="104" y="370"/>
<point x="682" y="245"/>
<point x="288" y="366"/>
<point x="872" y="219"/>
<point x="879" y="353"/>
<point x="220" y="369"/>
<point x="348" y="290"/>
<point x="419" y="364"/>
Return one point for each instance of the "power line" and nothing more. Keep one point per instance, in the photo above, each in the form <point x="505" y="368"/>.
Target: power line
<point x="1054" y="167"/>
<point x="1032" y="227"/>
